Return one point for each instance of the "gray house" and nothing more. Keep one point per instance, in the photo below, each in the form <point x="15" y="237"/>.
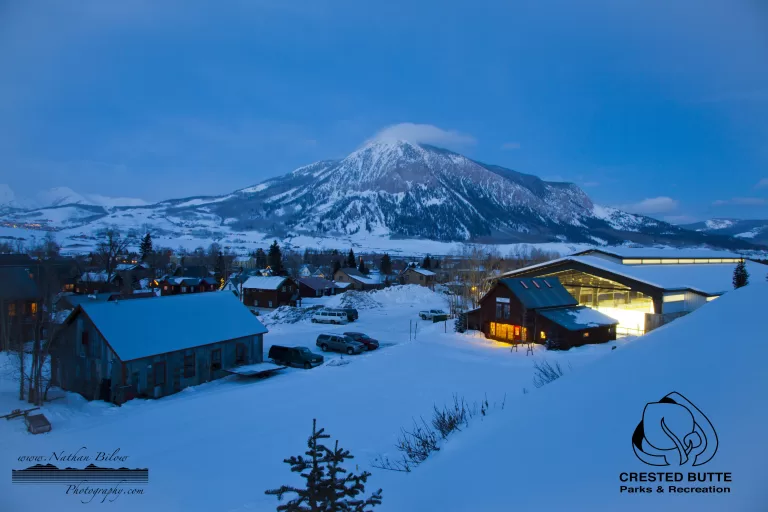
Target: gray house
<point x="154" y="347"/>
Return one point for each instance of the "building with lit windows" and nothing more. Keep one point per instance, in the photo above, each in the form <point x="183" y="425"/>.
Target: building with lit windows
<point x="643" y="288"/>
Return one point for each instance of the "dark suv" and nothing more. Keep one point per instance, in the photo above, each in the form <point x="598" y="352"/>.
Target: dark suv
<point x="300" y="357"/>
<point x="370" y="343"/>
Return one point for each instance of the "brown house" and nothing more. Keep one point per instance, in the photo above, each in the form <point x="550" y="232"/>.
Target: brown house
<point x="542" y="311"/>
<point x="418" y="275"/>
<point x="19" y="305"/>
<point x="355" y="279"/>
<point x="179" y="285"/>
<point x="98" y="282"/>
<point x="270" y="292"/>
<point x="116" y="351"/>
<point x="316" y="287"/>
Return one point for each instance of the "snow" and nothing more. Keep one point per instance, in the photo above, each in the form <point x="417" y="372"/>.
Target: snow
<point x="572" y="437"/>
<point x="94" y="277"/>
<point x="264" y="282"/>
<point x="560" y="447"/>
<point x="666" y="252"/>
<point x="590" y="317"/>
<point x="749" y="234"/>
<point x="145" y="327"/>
<point x="423" y="271"/>
<point x="718" y="223"/>
<point x="257" y="188"/>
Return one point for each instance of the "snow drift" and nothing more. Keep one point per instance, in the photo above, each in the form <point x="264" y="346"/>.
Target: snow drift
<point x="565" y="446"/>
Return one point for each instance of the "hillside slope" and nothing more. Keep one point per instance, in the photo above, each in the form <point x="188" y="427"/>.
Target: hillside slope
<point x="563" y="447"/>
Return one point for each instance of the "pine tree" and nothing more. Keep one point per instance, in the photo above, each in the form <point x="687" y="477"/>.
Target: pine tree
<point x="275" y="258"/>
<point x="327" y="486"/>
<point x="261" y="258"/>
<point x="361" y="266"/>
<point x="386" y="264"/>
<point x="351" y="259"/>
<point x="218" y="270"/>
<point x="427" y="263"/>
<point x="336" y="267"/>
<point x="146" y="247"/>
<point x="740" y="275"/>
<point x="436" y="264"/>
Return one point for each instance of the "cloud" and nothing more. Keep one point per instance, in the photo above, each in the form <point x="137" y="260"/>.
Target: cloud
<point x="659" y="204"/>
<point x="762" y="183"/>
<point x="741" y="201"/>
<point x="510" y="146"/>
<point x="423" y="134"/>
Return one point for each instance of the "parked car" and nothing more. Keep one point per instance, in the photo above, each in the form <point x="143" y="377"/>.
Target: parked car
<point x="328" y="316"/>
<point x="339" y="343"/>
<point x="351" y="313"/>
<point x="428" y="314"/>
<point x="370" y="343"/>
<point x="300" y="357"/>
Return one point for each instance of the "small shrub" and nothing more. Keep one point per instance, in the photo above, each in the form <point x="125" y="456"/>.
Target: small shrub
<point x="419" y="443"/>
<point x="544" y="373"/>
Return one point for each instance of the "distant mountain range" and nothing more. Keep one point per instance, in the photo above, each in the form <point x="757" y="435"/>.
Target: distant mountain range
<point x="59" y="196"/>
<point x="755" y="231"/>
<point x="385" y="190"/>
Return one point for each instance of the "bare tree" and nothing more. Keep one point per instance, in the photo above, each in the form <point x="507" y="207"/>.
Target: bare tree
<point x="109" y="250"/>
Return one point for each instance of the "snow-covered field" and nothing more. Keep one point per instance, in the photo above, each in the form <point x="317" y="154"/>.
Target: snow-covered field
<point x="218" y="446"/>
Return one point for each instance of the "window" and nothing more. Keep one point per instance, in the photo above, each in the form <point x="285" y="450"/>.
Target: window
<point x="239" y="353"/>
<point x="506" y="311"/>
<point x="183" y="289"/>
<point x="421" y="278"/>
<point x="189" y="366"/>
<point x="84" y="344"/>
<point x="283" y="288"/>
<point x="543" y="335"/>
<point x="165" y="288"/>
<point x="498" y="310"/>
<point x="33" y="308"/>
<point x="586" y="335"/>
<point x="159" y="374"/>
<point x="255" y="302"/>
<point x="216" y="359"/>
<point x="270" y="303"/>
<point x="11" y="309"/>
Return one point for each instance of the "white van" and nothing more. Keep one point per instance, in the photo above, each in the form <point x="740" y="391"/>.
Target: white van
<point x="330" y="317"/>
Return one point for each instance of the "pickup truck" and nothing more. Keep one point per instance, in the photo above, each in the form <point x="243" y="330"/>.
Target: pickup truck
<point x="430" y="313"/>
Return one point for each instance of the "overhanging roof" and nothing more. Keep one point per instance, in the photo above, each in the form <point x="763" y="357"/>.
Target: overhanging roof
<point x="539" y="293"/>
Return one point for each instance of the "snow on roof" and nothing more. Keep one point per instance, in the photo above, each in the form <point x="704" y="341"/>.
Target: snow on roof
<point x="94" y="277"/>
<point x="158" y="325"/>
<point x="660" y="252"/>
<point x="422" y="271"/>
<point x="264" y="282"/>
<point x="242" y="259"/>
<point x="338" y="284"/>
<point x="709" y="279"/>
<point x="578" y="318"/>
<point x="126" y="266"/>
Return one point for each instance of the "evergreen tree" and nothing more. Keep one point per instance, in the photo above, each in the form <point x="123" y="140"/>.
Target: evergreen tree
<point x="307" y="256"/>
<point x="436" y="264"/>
<point x="146" y="247"/>
<point x="351" y="259"/>
<point x="427" y="263"/>
<point x="327" y="485"/>
<point x="218" y="270"/>
<point x="261" y="258"/>
<point x="336" y="267"/>
<point x="740" y="275"/>
<point x="386" y="264"/>
<point x="275" y="258"/>
<point x="361" y="266"/>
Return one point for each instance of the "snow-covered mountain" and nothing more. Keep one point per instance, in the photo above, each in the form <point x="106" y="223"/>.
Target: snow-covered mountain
<point x="58" y="196"/>
<point x="386" y="190"/>
<point x="755" y="231"/>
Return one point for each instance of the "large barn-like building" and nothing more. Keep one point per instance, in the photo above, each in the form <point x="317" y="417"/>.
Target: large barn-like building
<point x="643" y="288"/>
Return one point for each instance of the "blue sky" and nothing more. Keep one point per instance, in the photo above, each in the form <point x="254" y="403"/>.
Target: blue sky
<point x="657" y="108"/>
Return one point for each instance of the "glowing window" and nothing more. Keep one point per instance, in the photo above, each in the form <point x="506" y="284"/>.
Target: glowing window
<point x="688" y="260"/>
<point x="632" y="262"/>
<point x="669" y="261"/>
<point x="712" y="298"/>
<point x="700" y="261"/>
<point x="586" y="335"/>
<point x="543" y="335"/>
<point x="651" y="262"/>
<point x="674" y="298"/>
<point x="716" y="261"/>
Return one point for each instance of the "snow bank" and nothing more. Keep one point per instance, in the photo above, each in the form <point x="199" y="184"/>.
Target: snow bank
<point x="288" y="315"/>
<point x="565" y="446"/>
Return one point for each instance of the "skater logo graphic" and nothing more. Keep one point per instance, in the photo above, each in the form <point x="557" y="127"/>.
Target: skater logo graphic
<point x="674" y="432"/>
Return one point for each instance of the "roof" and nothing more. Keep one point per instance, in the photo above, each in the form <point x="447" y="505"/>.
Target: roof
<point x="316" y="283"/>
<point x="659" y="252"/>
<point x="95" y="277"/>
<point x="76" y="300"/>
<point x="142" y="328"/>
<point x="359" y="276"/>
<point x="15" y="259"/>
<point x="578" y="318"/>
<point x="264" y="282"/>
<point x="121" y="267"/>
<point x="537" y="293"/>
<point x="420" y="270"/>
<point x="341" y="285"/>
<point x="17" y="284"/>
<point x="707" y="279"/>
<point x="192" y="271"/>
